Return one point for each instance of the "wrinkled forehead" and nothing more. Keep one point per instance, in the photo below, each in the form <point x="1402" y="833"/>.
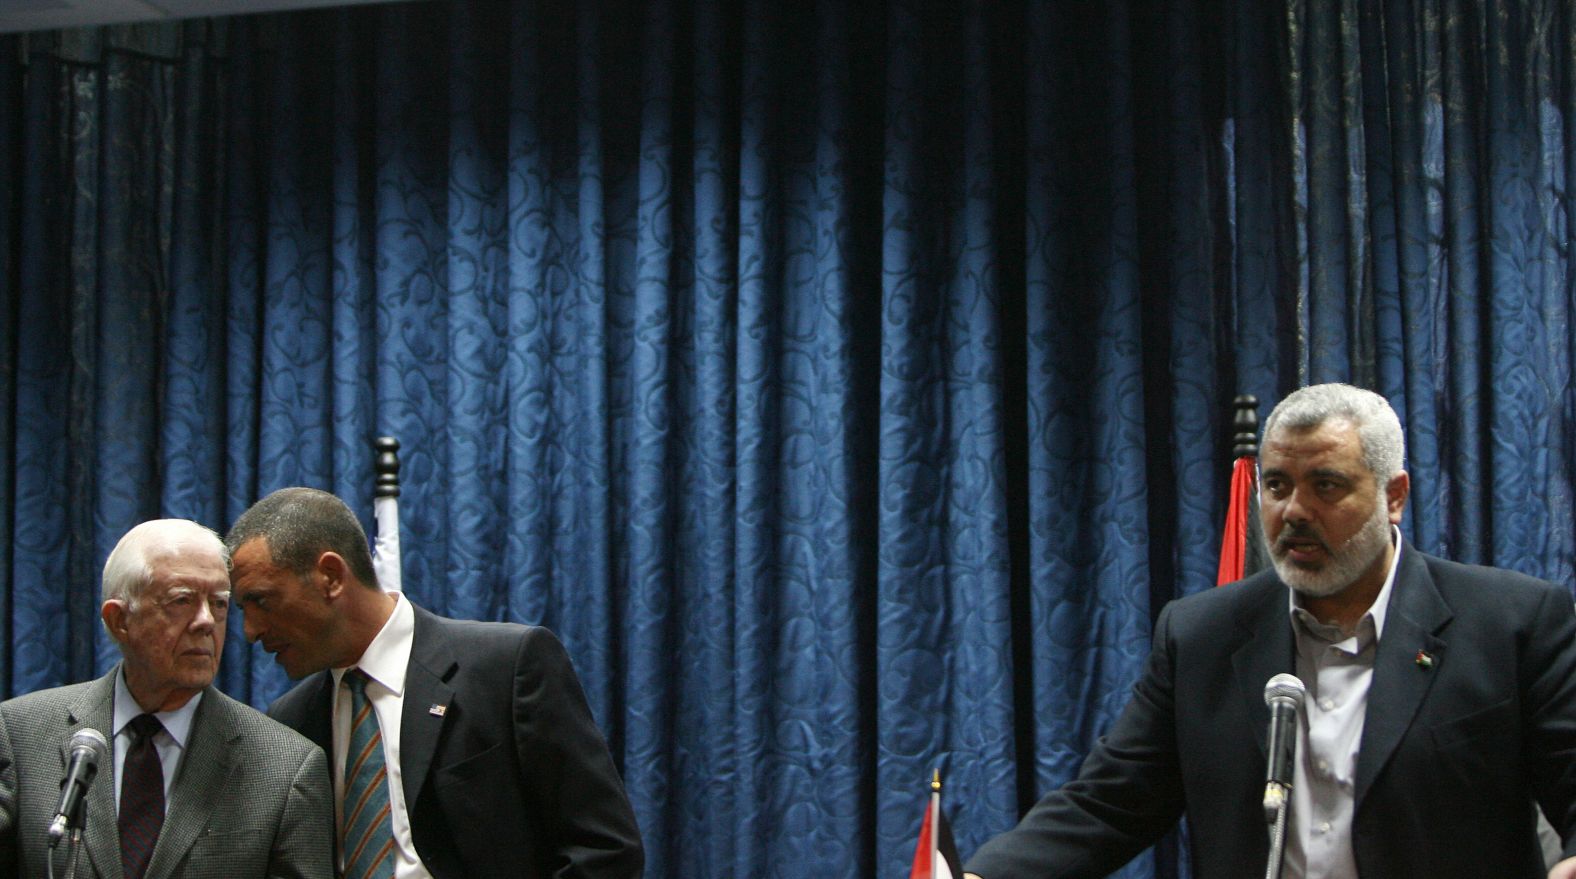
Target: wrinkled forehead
<point x="191" y="566"/>
<point x="1331" y="448"/>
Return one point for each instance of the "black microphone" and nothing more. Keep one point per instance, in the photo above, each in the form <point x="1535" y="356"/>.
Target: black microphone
<point x="87" y="748"/>
<point x="1283" y="694"/>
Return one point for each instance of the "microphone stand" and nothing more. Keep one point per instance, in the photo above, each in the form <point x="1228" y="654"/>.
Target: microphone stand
<point x="77" y="821"/>
<point x="1276" y="807"/>
<point x="1283" y="694"/>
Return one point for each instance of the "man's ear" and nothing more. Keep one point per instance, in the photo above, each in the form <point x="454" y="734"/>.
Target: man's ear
<point x="1396" y="493"/>
<point x="334" y="574"/>
<point x="115" y="615"/>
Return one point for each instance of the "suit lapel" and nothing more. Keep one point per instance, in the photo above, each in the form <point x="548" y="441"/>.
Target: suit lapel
<point x="96" y="709"/>
<point x="1266" y="649"/>
<point x="427" y="702"/>
<point x="202" y="780"/>
<point x="316" y="722"/>
<point x="1413" y="622"/>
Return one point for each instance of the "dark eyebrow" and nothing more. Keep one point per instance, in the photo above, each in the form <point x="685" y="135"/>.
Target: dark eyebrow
<point x="1318" y="473"/>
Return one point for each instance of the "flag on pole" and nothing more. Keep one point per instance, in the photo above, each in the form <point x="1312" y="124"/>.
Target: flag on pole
<point x="1241" y="510"/>
<point x="936" y="856"/>
<point x="1241" y="553"/>
<point x="385" y="509"/>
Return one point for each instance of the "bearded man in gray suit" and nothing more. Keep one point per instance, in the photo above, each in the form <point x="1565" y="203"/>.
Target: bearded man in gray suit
<point x="195" y="784"/>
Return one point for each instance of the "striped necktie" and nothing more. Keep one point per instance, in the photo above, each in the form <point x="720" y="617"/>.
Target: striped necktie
<point x="141" y="797"/>
<point x="366" y="836"/>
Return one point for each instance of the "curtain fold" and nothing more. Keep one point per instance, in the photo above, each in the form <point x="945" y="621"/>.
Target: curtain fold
<point x="848" y="385"/>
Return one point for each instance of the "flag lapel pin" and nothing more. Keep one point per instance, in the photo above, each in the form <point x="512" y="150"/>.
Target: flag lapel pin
<point x="1424" y="660"/>
<point x="437" y="710"/>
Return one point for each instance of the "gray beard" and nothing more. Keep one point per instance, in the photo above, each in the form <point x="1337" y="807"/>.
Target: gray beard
<point x="1346" y="563"/>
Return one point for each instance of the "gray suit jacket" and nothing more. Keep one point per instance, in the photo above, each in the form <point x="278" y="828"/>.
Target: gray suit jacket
<point x="251" y="799"/>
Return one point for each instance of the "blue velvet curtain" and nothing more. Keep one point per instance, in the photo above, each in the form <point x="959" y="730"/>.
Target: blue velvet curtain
<point x="847" y="384"/>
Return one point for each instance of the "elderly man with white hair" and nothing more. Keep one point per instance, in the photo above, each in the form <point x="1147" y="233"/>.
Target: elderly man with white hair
<point x="1440" y="705"/>
<point x="194" y="783"/>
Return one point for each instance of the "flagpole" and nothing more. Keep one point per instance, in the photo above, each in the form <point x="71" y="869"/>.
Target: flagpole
<point x="1245" y="426"/>
<point x="936" y="855"/>
<point x="935" y="812"/>
<point x="385" y="509"/>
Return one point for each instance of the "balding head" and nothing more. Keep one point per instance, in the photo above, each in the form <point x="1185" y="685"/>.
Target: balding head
<point x="130" y="565"/>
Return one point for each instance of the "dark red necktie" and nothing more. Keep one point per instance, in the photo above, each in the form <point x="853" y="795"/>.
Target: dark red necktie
<point x="141" y="797"/>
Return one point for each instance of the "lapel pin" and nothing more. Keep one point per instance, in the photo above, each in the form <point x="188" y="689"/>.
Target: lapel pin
<point x="437" y="710"/>
<point x="1424" y="660"/>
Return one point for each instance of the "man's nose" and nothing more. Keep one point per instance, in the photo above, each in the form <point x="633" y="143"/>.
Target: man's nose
<point x="1293" y="510"/>
<point x="204" y="618"/>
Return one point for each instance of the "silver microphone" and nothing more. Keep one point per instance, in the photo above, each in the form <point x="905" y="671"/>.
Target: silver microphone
<point x="1284" y="695"/>
<point x="87" y="747"/>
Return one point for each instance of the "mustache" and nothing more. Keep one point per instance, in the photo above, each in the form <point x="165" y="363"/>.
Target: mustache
<point x="1294" y="532"/>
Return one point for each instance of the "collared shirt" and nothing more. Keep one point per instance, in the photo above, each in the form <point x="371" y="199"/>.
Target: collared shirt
<point x="171" y="743"/>
<point x="384" y="663"/>
<point x="1337" y="669"/>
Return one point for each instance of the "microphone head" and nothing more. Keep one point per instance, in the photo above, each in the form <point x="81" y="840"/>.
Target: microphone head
<point x="90" y="743"/>
<point x="1284" y="687"/>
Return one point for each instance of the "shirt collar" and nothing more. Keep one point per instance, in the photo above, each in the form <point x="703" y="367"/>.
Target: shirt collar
<point x="387" y="656"/>
<point x="1375" y="615"/>
<point x="177" y="723"/>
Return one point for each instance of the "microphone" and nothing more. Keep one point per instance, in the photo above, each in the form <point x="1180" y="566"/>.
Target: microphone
<point x="87" y="748"/>
<point x="1283" y="694"/>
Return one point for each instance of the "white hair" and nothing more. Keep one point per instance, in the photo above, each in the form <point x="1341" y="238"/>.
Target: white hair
<point x="129" y="568"/>
<point x="1378" y="428"/>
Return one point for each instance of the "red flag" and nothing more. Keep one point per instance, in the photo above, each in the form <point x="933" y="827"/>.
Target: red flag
<point x="1235" y="542"/>
<point x="936" y="855"/>
<point x="1241" y="552"/>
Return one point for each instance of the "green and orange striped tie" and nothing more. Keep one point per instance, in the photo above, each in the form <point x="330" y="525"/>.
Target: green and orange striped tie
<point x="366" y="837"/>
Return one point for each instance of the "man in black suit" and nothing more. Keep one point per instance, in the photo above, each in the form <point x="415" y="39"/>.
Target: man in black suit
<point x="500" y="769"/>
<point x="1441" y="698"/>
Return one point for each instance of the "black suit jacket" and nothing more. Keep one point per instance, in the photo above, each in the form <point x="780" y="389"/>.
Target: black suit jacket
<point x="505" y="772"/>
<point x="1454" y="751"/>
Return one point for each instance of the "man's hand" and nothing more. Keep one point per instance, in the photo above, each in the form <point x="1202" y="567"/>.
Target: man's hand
<point x="1565" y="869"/>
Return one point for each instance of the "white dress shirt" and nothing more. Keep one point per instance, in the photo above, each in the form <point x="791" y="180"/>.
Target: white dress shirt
<point x="1337" y="669"/>
<point x="170" y="743"/>
<point x="384" y="663"/>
